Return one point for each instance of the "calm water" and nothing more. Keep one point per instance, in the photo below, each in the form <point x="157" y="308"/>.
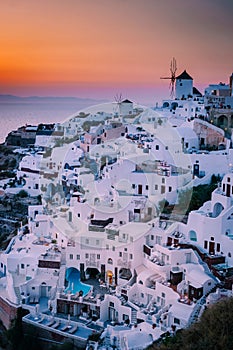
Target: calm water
<point x="13" y="115"/>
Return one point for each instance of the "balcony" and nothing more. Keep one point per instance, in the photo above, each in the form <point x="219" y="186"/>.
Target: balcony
<point x="126" y="264"/>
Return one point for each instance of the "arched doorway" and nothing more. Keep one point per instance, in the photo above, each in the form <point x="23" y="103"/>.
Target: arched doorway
<point x="43" y="289"/>
<point x="165" y="105"/>
<point x="109" y="276"/>
<point x="218" y="208"/>
<point x="174" y="105"/>
<point x="222" y="121"/>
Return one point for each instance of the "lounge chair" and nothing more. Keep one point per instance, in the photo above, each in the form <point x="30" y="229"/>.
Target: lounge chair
<point x="51" y="322"/>
<point x="41" y="319"/>
<point x="73" y="329"/>
<point x="56" y="324"/>
<point x="65" y="328"/>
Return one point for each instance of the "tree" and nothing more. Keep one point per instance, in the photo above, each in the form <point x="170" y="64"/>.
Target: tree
<point x="22" y="194"/>
<point x="213" y="332"/>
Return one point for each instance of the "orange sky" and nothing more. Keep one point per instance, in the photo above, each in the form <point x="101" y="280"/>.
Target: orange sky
<point x="70" y="47"/>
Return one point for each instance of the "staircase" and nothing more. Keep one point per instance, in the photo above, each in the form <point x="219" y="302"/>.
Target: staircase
<point x="18" y="295"/>
<point x="122" y="299"/>
<point x="133" y="316"/>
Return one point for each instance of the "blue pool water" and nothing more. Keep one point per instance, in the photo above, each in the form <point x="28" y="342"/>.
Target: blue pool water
<point x="74" y="283"/>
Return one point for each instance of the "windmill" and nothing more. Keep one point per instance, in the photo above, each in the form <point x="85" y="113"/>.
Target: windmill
<point x="118" y="99"/>
<point x="172" y="78"/>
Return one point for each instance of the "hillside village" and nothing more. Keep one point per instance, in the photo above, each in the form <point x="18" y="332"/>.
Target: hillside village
<point x="96" y="263"/>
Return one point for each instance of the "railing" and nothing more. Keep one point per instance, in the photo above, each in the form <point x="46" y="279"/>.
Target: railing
<point x="92" y="263"/>
<point x="126" y="264"/>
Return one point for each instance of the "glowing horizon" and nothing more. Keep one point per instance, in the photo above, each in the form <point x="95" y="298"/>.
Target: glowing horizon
<point x="110" y="46"/>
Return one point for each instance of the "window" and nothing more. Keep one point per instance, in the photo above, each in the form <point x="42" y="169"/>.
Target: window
<point x="133" y="186"/>
<point x="107" y="247"/>
<point x="22" y="266"/>
<point x="71" y="256"/>
<point x="229" y="255"/>
<point x="111" y="304"/>
<point x="37" y="224"/>
<point x="120" y="254"/>
<point x="33" y="288"/>
<point x="157" y="147"/>
<point x="218" y="247"/>
<point x="163" y="295"/>
<point x="142" y="295"/>
<point x="163" y="180"/>
<point x="152" y="237"/>
<point x="205" y="244"/>
<point x="113" y="248"/>
<point x="78" y="257"/>
<point x="166" y="148"/>
<point x="176" y="320"/>
<point x="87" y="241"/>
<point x="79" y="215"/>
<point x="131" y="256"/>
<point x="97" y="242"/>
<point x="125" y="249"/>
<point x="147" y="187"/>
<point x="156" y="187"/>
<point x="98" y="256"/>
<point x="169" y="189"/>
<point x="212" y="238"/>
<point x="86" y="255"/>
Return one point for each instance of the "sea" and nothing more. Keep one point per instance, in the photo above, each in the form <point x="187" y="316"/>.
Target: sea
<point x="16" y="111"/>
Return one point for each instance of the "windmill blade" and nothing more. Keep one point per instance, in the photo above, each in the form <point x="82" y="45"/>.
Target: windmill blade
<point x="173" y="67"/>
<point x="172" y="78"/>
<point x="118" y="98"/>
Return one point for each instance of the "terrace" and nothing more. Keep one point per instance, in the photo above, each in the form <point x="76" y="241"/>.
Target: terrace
<point x="63" y="326"/>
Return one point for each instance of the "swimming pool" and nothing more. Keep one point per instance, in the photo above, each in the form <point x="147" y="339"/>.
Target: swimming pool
<point x="74" y="283"/>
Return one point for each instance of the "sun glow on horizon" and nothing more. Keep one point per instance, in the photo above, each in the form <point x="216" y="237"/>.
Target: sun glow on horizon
<point x="104" y="43"/>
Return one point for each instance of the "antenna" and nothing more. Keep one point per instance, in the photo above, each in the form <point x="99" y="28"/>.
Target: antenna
<point x="172" y="78"/>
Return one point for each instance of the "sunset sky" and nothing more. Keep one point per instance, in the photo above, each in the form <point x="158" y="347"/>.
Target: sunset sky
<point x="97" y="48"/>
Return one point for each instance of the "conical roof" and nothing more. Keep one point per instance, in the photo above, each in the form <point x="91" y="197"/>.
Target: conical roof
<point x="184" y="76"/>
